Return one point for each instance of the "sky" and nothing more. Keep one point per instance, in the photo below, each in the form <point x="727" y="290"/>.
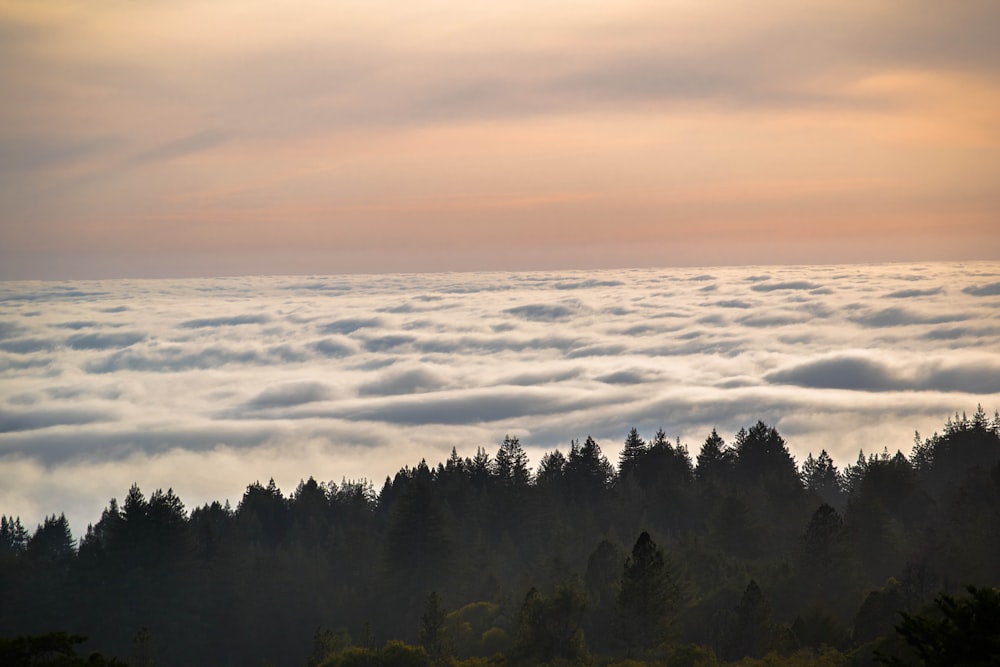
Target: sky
<point x="207" y="385"/>
<point x="233" y="137"/>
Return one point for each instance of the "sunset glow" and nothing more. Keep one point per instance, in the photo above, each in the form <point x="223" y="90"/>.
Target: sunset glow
<point x="189" y="138"/>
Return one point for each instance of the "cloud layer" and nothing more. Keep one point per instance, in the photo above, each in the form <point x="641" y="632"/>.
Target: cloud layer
<point x="109" y="382"/>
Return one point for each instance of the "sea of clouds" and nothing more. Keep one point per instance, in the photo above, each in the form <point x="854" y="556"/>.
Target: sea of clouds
<point x="207" y="385"/>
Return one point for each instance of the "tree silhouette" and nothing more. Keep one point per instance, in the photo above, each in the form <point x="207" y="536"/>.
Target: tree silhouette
<point x="648" y="598"/>
<point x="433" y="635"/>
<point x="631" y="454"/>
<point x="956" y="632"/>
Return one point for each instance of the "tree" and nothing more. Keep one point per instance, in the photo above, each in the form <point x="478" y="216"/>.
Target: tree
<point x="13" y="537"/>
<point x="55" y="648"/>
<point x="549" y="627"/>
<point x="747" y="630"/>
<point x="715" y="461"/>
<point x="511" y="464"/>
<point x="52" y="542"/>
<point x="587" y="470"/>
<point x="956" y="631"/>
<point x="825" y="562"/>
<point x="632" y="453"/>
<point x="433" y="636"/>
<point x="551" y="468"/>
<point x="648" y="597"/>
<point x="820" y="476"/>
<point x="761" y="454"/>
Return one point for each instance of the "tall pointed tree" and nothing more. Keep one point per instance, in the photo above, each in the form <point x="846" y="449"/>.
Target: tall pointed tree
<point x="632" y="453"/>
<point x="648" y="597"/>
<point x="715" y="461"/>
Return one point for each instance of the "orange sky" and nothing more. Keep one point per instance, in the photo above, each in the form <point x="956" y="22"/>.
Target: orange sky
<point x="202" y="138"/>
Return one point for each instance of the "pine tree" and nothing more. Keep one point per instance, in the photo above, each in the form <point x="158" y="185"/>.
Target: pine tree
<point x="648" y="597"/>
<point x="511" y="464"/>
<point x="715" y="461"/>
<point x="820" y="476"/>
<point x="432" y="627"/>
<point x="631" y="455"/>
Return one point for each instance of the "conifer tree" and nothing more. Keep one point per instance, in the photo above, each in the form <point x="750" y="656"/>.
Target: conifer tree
<point x="648" y="597"/>
<point x="632" y="453"/>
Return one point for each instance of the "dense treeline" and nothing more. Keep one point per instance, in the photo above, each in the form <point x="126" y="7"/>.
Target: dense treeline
<point x="731" y="555"/>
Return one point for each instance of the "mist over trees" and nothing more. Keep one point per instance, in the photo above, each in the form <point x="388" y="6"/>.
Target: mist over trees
<point x="729" y="555"/>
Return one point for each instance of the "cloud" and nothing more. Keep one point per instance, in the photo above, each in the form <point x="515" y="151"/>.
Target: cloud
<point x="469" y="407"/>
<point x="330" y="347"/>
<point x="325" y="367"/>
<point x="768" y="321"/>
<point x="530" y="379"/>
<point x="965" y="334"/>
<point x="784" y="286"/>
<point x="840" y="372"/>
<point x="350" y="325"/>
<point x="631" y="376"/>
<point x="542" y="312"/>
<point x="586" y="284"/>
<point x="97" y="341"/>
<point x="989" y="289"/>
<point x="595" y="351"/>
<point x="291" y="394"/>
<point x="27" y="345"/>
<point x="175" y="359"/>
<point x="912" y="293"/>
<point x="228" y="321"/>
<point x="979" y="378"/>
<point x="387" y="343"/>
<point x="867" y="374"/>
<point x="76" y="324"/>
<point x="10" y="330"/>
<point x="30" y="420"/>
<point x="897" y="317"/>
<point x="412" y="381"/>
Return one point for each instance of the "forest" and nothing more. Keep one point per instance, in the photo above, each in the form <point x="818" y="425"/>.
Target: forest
<point x="734" y="555"/>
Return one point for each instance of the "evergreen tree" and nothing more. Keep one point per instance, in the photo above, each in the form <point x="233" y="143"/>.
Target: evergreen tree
<point x="13" y="537"/>
<point x="958" y="631"/>
<point x="511" y="464"/>
<point x="648" y="597"/>
<point x="52" y="542"/>
<point x="820" y="476"/>
<point x="632" y="453"/>
<point x="715" y="461"/>
<point x="587" y="470"/>
<point x="433" y="636"/>
<point x="747" y="631"/>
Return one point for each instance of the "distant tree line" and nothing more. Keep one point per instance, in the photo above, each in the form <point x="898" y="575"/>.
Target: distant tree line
<point x="729" y="557"/>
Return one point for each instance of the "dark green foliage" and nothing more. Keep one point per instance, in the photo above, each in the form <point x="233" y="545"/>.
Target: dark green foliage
<point x="747" y="630"/>
<point x="433" y="633"/>
<point x="820" y="476"/>
<point x="588" y="472"/>
<point x="13" y="537"/>
<point x="716" y="460"/>
<point x="955" y="632"/>
<point x="55" y="649"/>
<point x="632" y="454"/>
<point x="511" y="464"/>
<point x="549" y="627"/>
<point x="648" y="599"/>
<point x="52" y="543"/>
<point x="219" y="586"/>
